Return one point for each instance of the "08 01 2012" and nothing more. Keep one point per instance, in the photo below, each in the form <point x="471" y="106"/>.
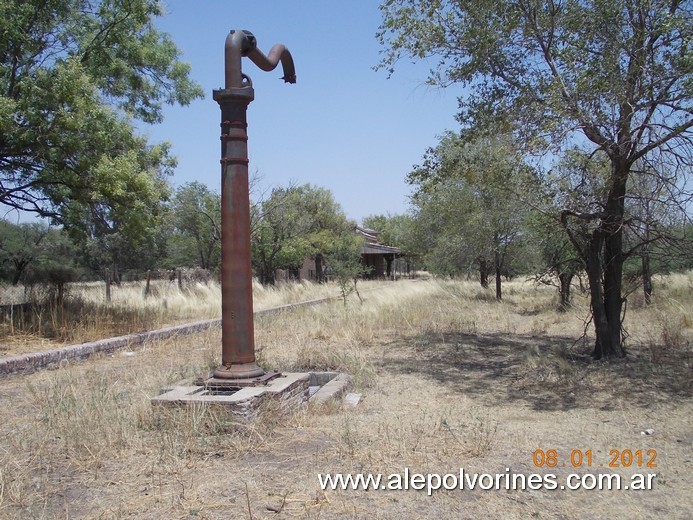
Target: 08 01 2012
<point x="579" y="458"/>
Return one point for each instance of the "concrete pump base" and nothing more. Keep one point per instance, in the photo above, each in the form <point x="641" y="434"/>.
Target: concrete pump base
<point x="293" y="390"/>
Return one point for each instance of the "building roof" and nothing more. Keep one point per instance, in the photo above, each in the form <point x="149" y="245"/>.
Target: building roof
<point x="378" y="249"/>
<point x="372" y="246"/>
<point x="369" y="235"/>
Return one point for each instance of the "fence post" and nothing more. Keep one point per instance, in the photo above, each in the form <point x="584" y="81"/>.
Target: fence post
<point x="107" y="278"/>
<point x="147" y="289"/>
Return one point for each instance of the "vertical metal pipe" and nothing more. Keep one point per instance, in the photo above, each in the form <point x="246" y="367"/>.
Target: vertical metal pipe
<point x="237" y="330"/>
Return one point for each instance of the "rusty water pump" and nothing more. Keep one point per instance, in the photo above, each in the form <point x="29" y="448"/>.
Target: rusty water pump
<point x="237" y="331"/>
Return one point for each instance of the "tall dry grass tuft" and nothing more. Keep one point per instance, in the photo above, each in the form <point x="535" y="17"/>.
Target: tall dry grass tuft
<point x="332" y="337"/>
<point x="665" y="326"/>
<point x="84" y="314"/>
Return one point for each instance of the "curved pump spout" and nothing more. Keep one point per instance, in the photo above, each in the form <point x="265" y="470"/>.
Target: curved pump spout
<point x="243" y="43"/>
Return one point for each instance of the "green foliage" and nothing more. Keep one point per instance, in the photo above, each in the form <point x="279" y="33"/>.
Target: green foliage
<point x="118" y="252"/>
<point x="181" y="251"/>
<point x="393" y="230"/>
<point x="34" y="252"/>
<point x="291" y="224"/>
<point x="195" y="216"/>
<point x="344" y="261"/>
<point x="548" y="69"/>
<point x="471" y="204"/>
<point x="58" y="263"/>
<point x="556" y="261"/>
<point x="575" y="185"/>
<point x="73" y="75"/>
<point x="20" y="245"/>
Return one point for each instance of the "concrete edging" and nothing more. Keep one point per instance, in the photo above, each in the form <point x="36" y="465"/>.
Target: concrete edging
<point x="28" y="363"/>
<point x="334" y="388"/>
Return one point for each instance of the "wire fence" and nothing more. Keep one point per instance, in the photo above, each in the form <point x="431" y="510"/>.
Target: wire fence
<point x="104" y="283"/>
<point x="14" y="294"/>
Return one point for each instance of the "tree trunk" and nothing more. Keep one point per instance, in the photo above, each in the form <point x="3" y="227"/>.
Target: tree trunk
<point x="608" y="304"/>
<point x="19" y="267"/>
<point x="594" y="277"/>
<point x="267" y="274"/>
<point x="647" y="279"/>
<point x="497" y="265"/>
<point x="200" y="251"/>
<point x="565" y="278"/>
<point x="319" y="276"/>
<point x="147" y="287"/>
<point x="107" y="279"/>
<point x="60" y="295"/>
<point x="483" y="273"/>
<point x="646" y="270"/>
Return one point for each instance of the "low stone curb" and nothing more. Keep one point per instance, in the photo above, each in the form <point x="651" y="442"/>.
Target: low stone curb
<point x="335" y="388"/>
<point x="28" y="363"/>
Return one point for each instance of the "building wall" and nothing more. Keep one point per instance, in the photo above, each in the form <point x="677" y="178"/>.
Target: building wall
<point x="376" y="263"/>
<point x="306" y="272"/>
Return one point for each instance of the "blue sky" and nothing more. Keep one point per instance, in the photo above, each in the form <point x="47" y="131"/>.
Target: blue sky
<point x="342" y="126"/>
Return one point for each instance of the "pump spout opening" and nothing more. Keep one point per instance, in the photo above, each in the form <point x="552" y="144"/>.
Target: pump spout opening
<point x="241" y="43"/>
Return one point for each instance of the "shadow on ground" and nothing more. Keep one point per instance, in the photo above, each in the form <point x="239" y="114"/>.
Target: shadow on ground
<point x="548" y="373"/>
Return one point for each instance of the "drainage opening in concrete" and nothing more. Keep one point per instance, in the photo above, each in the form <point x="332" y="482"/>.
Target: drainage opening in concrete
<point x="220" y="391"/>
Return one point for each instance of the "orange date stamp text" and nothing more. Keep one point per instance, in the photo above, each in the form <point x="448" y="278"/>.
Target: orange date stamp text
<point x="585" y="458"/>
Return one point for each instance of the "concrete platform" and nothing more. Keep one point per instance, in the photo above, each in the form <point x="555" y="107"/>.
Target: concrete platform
<point x="291" y="389"/>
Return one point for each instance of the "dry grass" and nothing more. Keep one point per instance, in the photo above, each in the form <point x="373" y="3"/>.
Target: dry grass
<point x="85" y="314"/>
<point x="449" y="379"/>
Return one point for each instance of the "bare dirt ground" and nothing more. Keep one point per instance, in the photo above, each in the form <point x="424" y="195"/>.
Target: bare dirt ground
<point x="450" y="379"/>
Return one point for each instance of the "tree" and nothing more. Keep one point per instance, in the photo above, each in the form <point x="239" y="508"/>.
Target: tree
<point x="559" y="262"/>
<point x="74" y="76"/>
<point x="36" y="253"/>
<point x="278" y="233"/>
<point x="392" y="229"/>
<point x="652" y="217"/>
<point x="398" y="231"/>
<point x="196" y="214"/>
<point x="344" y="262"/>
<point x="20" y="245"/>
<point x="293" y="223"/>
<point x="440" y="235"/>
<point x="653" y="214"/>
<point x="608" y="75"/>
<point x="57" y="264"/>
<point x="118" y="252"/>
<point x="477" y="196"/>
